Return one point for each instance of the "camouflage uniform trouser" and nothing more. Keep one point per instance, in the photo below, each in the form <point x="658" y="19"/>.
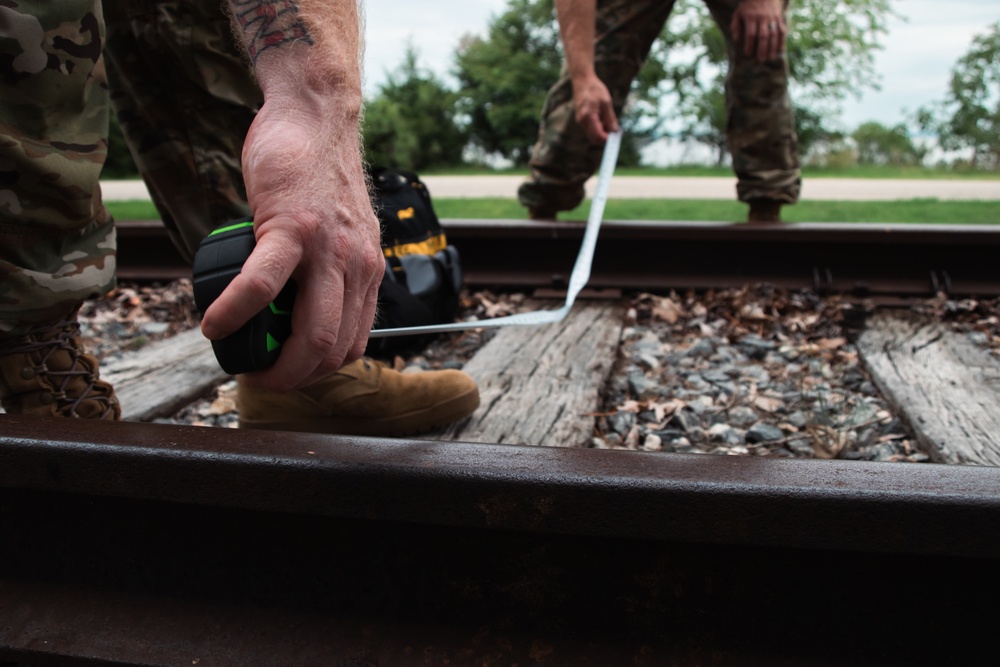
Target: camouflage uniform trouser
<point x="760" y="123"/>
<point x="185" y="99"/>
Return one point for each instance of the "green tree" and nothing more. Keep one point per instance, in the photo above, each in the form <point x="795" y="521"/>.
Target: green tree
<point x="815" y="135"/>
<point x="831" y="51"/>
<point x="503" y="78"/>
<point x="881" y="145"/>
<point x="411" y="123"/>
<point x="706" y="122"/>
<point x="969" y="117"/>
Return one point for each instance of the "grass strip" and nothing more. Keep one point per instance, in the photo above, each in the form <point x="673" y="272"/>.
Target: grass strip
<point x="931" y="211"/>
<point x="856" y="171"/>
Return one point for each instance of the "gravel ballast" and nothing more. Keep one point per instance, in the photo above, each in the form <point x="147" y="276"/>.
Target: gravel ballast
<point x="754" y="371"/>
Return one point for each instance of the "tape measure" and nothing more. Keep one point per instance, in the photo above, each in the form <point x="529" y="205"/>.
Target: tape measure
<point x="257" y="344"/>
<point x="577" y="279"/>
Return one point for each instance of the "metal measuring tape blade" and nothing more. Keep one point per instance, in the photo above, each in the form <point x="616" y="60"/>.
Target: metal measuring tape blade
<point x="577" y="280"/>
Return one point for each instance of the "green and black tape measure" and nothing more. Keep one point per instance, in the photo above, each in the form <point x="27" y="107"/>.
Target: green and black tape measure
<point x="257" y="344"/>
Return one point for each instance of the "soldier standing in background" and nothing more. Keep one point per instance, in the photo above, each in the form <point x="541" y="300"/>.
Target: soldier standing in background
<point x="251" y="109"/>
<point x="606" y="42"/>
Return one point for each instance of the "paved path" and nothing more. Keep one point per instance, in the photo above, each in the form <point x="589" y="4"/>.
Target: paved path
<point x="660" y="187"/>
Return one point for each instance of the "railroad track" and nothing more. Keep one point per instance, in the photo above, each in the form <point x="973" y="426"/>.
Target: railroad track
<point x="845" y="258"/>
<point x="168" y="545"/>
<point x="135" y="543"/>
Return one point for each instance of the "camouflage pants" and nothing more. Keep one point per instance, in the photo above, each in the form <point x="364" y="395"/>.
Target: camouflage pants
<point x="185" y="99"/>
<point x="760" y="124"/>
<point x="57" y="242"/>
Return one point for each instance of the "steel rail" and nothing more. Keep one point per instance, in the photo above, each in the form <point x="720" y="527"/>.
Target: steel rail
<point x="859" y="259"/>
<point x="129" y="543"/>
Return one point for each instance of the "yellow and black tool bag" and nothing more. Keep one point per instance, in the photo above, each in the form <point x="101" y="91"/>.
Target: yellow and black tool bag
<point x="423" y="275"/>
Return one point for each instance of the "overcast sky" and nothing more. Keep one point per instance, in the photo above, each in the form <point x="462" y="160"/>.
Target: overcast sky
<point x="914" y="66"/>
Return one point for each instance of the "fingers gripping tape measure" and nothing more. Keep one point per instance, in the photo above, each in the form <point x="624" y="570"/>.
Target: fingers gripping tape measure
<point x="257" y="344"/>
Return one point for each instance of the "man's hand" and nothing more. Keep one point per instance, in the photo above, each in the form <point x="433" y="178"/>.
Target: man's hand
<point x="314" y="223"/>
<point x="595" y="112"/>
<point x="313" y="218"/>
<point x="594" y="109"/>
<point x="760" y="26"/>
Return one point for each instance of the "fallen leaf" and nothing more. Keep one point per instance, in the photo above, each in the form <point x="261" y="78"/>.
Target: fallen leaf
<point x="665" y="309"/>
<point x="768" y="404"/>
<point x="831" y="343"/>
<point x="630" y="406"/>
<point x="222" y="406"/>
<point x="661" y="410"/>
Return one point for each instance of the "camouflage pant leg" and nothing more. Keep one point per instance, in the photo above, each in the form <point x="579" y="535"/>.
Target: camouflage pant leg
<point x="563" y="158"/>
<point x="57" y="243"/>
<point x="760" y="122"/>
<point x="185" y="98"/>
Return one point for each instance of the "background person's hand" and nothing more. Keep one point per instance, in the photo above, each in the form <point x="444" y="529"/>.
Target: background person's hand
<point x="594" y="109"/>
<point x="759" y="27"/>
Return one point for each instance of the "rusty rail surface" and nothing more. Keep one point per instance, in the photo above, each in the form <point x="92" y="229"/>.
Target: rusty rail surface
<point x="146" y="544"/>
<point x="859" y="259"/>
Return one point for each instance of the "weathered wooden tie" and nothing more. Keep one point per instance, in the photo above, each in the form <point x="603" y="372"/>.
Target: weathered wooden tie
<point x="940" y="382"/>
<point x="540" y="385"/>
<point x="163" y="377"/>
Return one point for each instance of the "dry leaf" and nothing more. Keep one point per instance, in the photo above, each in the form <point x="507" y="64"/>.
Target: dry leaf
<point x="665" y="309"/>
<point x="753" y="311"/>
<point x="222" y="406"/>
<point x="828" y="443"/>
<point x="831" y="343"/>
<point x="661" y="410"/>
<point x="768" y="404"/>
<point x="631" y="406"/>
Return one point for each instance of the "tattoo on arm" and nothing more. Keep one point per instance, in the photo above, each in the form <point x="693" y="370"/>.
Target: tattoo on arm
<point x="268" y="23"/>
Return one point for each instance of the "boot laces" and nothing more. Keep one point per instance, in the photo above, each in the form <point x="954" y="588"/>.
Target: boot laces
<point x="42" y="339"/>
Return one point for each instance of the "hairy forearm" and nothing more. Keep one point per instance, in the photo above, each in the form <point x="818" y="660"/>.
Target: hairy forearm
<point x="306" y="56"/>
<point x="315" y="43"/>
<point x="576" y="28"/>
<point x="307" y="135"/>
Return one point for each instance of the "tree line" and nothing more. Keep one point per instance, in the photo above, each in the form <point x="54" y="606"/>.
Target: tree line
<point x="417" y="121"/>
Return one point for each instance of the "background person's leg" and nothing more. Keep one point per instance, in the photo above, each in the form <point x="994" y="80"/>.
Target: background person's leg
<point x="760" y="125"/>
<point x="563" y="158"/>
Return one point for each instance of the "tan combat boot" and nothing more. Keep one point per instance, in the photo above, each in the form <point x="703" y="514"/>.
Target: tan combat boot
<point x="46" y="373"/>
<point x="363" y="398"/>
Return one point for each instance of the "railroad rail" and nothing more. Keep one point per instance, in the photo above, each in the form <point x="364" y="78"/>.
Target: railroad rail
<point x="857" y="259"/>
<point x="147" y="544"/>
<point x="150" y="544"/>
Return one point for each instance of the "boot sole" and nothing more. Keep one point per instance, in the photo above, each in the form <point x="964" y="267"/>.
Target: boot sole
<point x="410" y="423"/>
